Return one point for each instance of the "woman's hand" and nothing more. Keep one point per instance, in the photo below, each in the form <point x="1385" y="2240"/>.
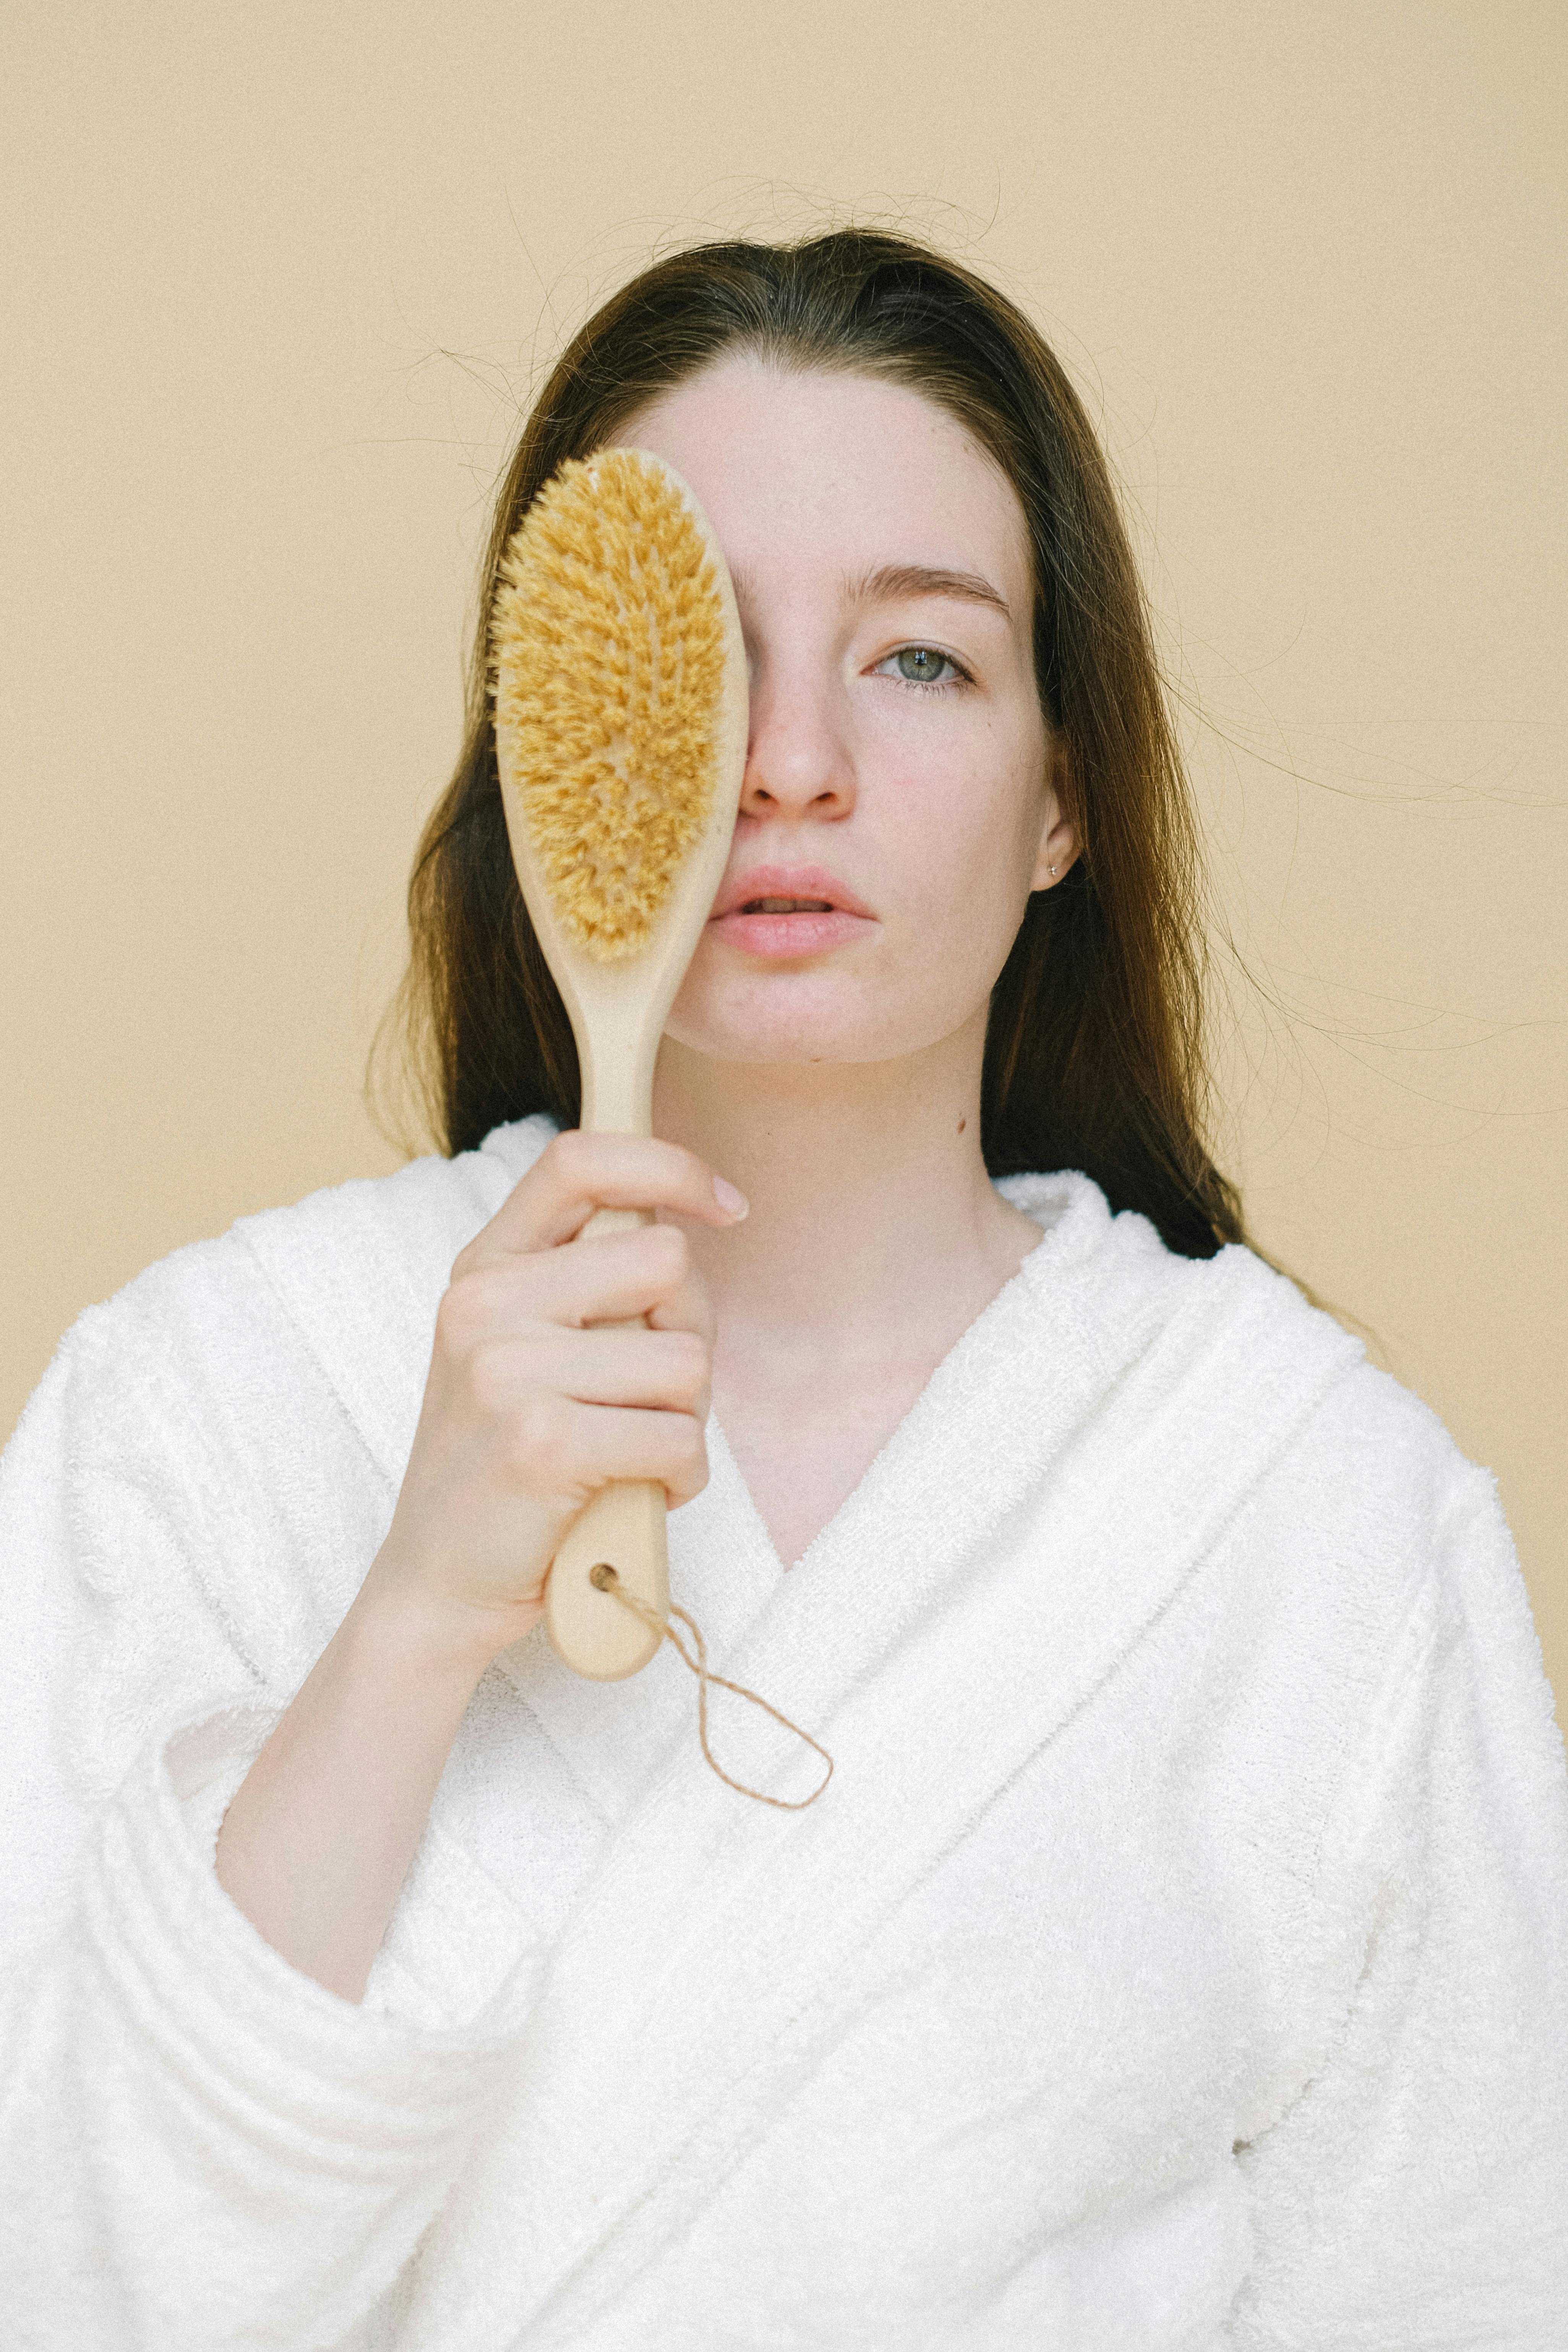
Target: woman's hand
<point x="529" y="1410"/>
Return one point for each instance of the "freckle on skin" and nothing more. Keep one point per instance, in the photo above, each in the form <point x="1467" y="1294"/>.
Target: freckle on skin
<point x="962" y="1124"/>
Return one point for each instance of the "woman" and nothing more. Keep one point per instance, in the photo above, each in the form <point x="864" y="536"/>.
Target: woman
<point x="1173" y="1959"/>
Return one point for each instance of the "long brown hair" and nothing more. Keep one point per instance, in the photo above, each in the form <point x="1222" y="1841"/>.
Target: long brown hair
<point x="1094" y="1051"/>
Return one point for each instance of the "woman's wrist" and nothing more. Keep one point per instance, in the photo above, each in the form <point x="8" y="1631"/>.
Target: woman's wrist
<point x="417" y="1628"/>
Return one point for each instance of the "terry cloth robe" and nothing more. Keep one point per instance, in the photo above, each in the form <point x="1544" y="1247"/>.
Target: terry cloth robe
<point x="1176" y="1960"/>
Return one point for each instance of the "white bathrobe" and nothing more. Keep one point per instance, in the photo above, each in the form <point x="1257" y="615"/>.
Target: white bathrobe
<point x="1176" y="1960"/>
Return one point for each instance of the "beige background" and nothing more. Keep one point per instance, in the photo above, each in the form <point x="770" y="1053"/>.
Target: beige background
<point x="282" y="276"/>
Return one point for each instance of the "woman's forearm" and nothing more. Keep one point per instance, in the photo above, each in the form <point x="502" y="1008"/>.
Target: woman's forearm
<point x="318" y="1840"/>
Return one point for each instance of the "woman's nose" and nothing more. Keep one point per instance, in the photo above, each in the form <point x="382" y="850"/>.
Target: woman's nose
<point x="798" y="758"/>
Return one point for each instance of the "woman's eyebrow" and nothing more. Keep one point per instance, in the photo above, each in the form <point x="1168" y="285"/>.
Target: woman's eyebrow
<point x="893" y="580"/>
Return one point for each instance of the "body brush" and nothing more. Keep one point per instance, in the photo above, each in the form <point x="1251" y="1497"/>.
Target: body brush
<point x="621" y="728"/>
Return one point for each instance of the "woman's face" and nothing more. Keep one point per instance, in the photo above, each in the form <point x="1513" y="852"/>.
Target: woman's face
<point x="899" y="786"/>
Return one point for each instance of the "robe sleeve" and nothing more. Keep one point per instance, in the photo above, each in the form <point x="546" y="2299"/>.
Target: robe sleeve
<point x="1414" y="2196"/>
<point x="199" y="2145"/>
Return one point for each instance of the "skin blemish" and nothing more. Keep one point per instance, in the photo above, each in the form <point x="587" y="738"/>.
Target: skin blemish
<point x="962" y="1124"/>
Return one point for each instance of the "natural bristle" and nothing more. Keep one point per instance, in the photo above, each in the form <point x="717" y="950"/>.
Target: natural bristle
<point x="608" y="649"/>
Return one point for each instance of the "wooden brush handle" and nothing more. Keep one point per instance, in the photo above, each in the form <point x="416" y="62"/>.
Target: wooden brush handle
<point x="624" y="1525"/>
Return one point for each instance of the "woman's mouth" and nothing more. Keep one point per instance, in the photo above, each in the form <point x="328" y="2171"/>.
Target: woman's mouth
<point x="761" y="914"/>
<point x="782" y="927"/>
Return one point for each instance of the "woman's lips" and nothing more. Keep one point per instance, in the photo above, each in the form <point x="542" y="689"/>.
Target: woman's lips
<point x="809" y="932"/>
<point x="789" y="910"/>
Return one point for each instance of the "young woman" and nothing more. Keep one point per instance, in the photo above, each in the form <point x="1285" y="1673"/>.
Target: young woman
<point x="1176" y="1957"/>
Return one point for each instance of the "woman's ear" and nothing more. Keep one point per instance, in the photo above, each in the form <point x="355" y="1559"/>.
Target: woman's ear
<point x="1059" y="835"/>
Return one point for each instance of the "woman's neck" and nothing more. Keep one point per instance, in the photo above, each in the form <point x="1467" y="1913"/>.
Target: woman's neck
<point x="872" y="1217"/>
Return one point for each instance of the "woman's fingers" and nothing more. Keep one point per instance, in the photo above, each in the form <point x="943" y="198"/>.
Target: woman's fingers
<point x="576" y="1174"/>
<point x="610" y="1278"/>
<point x="658" y="1370"/>
<point x="567" y="1449"/>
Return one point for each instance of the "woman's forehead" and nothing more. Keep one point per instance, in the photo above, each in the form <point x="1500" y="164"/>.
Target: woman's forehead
<point x="842" y="473"/>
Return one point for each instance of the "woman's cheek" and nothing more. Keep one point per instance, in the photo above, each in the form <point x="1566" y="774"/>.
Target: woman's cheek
<point x="986" y="837"/>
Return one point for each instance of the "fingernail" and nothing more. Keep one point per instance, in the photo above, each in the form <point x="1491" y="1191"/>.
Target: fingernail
<point x="734" y="1203"/>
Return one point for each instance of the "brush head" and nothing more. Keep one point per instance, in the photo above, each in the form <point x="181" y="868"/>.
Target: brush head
<point x="608" y="649"/>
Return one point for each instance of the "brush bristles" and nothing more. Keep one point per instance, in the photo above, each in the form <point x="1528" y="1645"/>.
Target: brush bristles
<point x="607" y="647"/>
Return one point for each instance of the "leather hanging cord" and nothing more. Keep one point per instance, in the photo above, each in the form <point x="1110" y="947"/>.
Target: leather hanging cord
<point x="604" y="1578"/>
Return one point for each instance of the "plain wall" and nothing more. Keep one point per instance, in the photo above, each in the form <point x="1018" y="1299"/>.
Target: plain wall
<point x="279" y="280"/>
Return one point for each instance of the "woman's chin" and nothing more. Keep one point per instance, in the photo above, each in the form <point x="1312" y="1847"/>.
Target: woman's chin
<point x="745" y="1044"/>
<point x="803" y="1035"/>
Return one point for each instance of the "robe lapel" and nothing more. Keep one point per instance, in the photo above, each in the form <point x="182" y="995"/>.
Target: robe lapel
<point x="1056" y="1484"/>
<point x="724" y="1571"/>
